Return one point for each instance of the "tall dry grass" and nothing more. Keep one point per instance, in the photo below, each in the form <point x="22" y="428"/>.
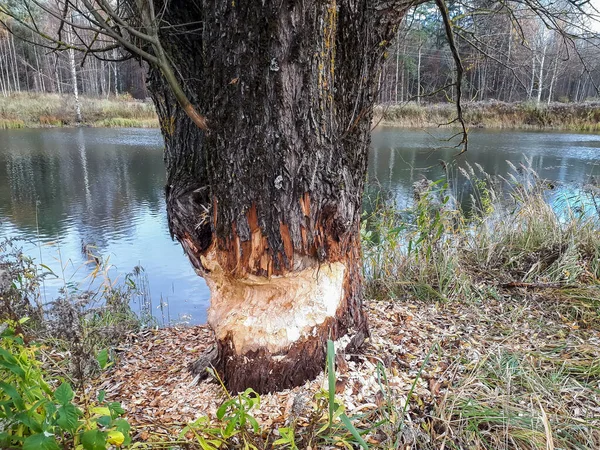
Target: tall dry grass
<point x="495" y="114"/>
<point x="516" y="231"/>
<point x="46" y="110"/>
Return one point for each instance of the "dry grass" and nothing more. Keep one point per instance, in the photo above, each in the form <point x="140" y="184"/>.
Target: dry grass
<point x="493" y="114"/>
<point x="510" y="292"/>
<point x="52" y="110"/>
<point x="120" y="122"/>
<point x="503" y="374"/>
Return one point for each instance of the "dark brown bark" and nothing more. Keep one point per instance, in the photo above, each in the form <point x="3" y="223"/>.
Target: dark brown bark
<point x="273" y="190"/>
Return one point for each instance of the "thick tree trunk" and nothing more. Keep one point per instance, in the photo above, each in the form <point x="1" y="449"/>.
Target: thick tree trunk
<point x="267" y="203"/>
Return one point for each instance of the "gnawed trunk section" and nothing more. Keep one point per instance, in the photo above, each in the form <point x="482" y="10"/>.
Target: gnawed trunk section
<point x="272" y="330"/>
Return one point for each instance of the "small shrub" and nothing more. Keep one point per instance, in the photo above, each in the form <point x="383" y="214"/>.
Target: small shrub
<point x="79" y="323"/>
<point x="35" y="416"/>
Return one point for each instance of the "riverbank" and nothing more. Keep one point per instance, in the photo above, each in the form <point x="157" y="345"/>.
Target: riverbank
<point x="31" y="110"/>
<point x="581" y="117"/>
<point x="485" y="333"/>
<point x="516" y="372"/>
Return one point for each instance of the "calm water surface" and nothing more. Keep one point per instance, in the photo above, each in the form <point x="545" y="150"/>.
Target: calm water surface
<point x="60" y="188"/>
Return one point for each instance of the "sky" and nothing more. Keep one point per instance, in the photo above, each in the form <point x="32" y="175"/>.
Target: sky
<point x="596" y="23"/>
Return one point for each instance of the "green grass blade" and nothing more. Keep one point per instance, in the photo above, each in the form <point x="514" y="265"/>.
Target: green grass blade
<point x="331" y="378"/>
<point x="346" y="421"/>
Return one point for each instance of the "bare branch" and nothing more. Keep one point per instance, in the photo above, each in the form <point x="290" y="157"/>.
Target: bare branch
<point x="459" y="73"/>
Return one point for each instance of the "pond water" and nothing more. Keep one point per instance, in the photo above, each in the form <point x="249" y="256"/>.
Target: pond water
<point x="61" y="189"/>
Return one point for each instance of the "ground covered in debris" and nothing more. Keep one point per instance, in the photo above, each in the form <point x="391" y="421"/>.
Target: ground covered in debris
<point x="497" y="374"/>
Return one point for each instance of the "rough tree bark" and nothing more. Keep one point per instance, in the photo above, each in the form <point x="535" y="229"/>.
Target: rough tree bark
<point x="266" y="203"/>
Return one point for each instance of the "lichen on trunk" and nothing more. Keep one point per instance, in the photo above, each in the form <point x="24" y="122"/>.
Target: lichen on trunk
<point x="266" y="203"/>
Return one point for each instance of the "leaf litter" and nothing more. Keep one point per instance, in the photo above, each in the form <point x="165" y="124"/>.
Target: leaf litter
<point x="499" y="373"/>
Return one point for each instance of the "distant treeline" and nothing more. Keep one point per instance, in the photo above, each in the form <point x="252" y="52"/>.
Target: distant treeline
<point x="507" y="51"/>
<point x="27" y="67"/>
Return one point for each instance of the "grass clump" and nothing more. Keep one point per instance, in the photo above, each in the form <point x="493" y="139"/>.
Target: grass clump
<point x="11" y="124"/>
<point x="34" y="110"/>
<point x="495" y="114"/>
<point x="120" y="122"/>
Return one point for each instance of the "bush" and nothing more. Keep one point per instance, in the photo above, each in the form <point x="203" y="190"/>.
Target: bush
<point x="34" y="416"/>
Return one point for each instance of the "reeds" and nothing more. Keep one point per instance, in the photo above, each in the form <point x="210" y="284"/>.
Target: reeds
<point x="516" y="231"/>
<point x="583" y="117"/>
<point x="52" y="110"/>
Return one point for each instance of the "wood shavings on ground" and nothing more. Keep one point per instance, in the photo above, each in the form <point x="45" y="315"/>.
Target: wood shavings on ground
<point x="440" y="357"/>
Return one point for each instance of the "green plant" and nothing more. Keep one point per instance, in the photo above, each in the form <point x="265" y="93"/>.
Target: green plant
<point x="233" y="419"/>
<point x="235" y="413"/>
<point x="35" y="416"/>
<point x="287" y="439"/>
<point x="235" y="427"/>
<point x="337" y="411"/>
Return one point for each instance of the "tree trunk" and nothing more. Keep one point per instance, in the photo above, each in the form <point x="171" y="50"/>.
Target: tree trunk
<point x="6" y="61"/>
<point x="532" y="84"/>
<point x="116" y="72"/>
<point x="541" y="74"/>
<point x="16" y="64"/>
<point x="267" y="203"/>
<point x="397" y="67"/>
<point x="554" y="72"/>
<point x="402" y="83"/>
<point x="102" y="79"/>
<point x="419" y="73"/>
<point x="73" y="69"/>
<point x="74" y="83"/>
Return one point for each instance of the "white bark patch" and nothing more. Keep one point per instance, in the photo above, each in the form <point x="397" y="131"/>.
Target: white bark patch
<point x="272" y="313"/>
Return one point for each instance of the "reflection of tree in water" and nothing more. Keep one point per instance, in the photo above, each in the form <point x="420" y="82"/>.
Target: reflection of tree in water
<point x="79" y="180"/>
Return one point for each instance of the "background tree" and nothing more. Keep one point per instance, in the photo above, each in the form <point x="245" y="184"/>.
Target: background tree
<point x="501" y="45"/>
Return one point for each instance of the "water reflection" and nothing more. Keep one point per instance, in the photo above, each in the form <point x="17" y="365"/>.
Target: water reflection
<point x="400" y="157"/>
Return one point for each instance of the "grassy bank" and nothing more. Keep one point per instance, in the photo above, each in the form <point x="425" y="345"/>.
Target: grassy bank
<point x="29" y="110"/>
<point x="493" y="114"/>
<point x="508" y="296"/>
